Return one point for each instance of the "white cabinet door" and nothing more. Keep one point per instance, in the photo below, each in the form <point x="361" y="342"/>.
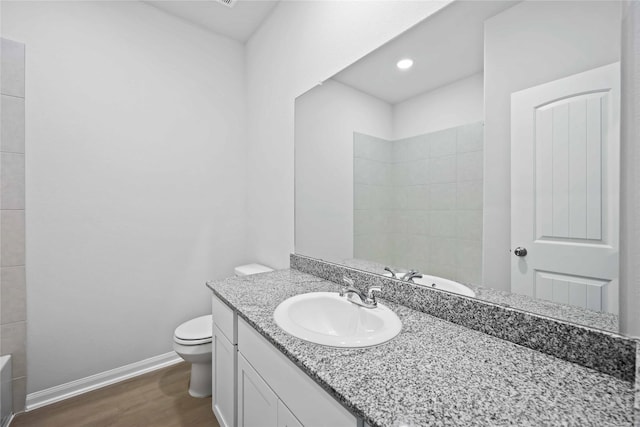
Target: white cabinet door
<point x="312" y="405"/>
<point x="257" y="403"/>
<point x="224" y="379"/>
<point x="285" y="417"/>
<point x="565" y="154"/>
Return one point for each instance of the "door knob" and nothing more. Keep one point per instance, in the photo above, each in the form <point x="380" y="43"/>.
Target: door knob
<point x="520" y="251"/>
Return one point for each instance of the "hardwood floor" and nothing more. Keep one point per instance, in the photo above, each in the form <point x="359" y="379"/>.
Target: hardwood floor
<point x="156" y="399"/>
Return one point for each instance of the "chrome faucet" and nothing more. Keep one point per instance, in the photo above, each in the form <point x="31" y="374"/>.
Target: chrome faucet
<point x="357" y="297"/>
<point x="406" y="277"/>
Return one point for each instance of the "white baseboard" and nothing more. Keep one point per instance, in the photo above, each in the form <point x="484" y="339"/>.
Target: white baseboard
<point x="103" y="379"/>
<point x="7" y="422"/>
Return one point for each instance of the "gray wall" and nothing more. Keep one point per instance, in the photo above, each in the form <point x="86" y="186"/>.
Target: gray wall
<point x="13" y="314"/>
<point x="135" y="180"/>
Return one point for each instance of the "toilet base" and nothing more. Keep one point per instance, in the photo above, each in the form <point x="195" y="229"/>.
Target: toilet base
<point x="200" y="382"/>
<point x="200" y="358"/>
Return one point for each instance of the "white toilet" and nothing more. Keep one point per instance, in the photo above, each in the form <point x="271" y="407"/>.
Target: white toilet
<point x="192" y="342"/>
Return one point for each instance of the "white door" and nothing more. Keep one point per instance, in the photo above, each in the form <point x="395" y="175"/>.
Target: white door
<point x="565" y="157"/>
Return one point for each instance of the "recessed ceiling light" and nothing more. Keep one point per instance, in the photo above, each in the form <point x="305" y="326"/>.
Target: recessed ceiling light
<point x="404" y="64"/>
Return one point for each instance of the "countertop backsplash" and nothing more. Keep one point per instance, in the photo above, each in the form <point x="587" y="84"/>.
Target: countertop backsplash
<point x="604" y="351"/>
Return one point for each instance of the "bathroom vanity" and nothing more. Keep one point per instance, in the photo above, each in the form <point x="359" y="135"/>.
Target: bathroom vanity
<point x="433" y="373"/>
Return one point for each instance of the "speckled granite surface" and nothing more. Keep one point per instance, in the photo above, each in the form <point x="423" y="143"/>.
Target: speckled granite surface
<point x="604" y="351"/>
<point x="580" y="316"/>
<point x="636" y="406"/>
<point x="435" y="372"/>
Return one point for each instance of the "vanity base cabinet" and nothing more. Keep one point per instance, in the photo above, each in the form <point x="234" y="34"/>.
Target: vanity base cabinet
<point x="286" y="418"/>
<point x="224" y="362"/>
<point x="307" y="402"/>
<point x="255" y="385"/>
<point x="257" y="403"/>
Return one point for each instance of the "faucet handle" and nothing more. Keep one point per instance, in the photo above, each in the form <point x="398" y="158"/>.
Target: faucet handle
<point x="371" y="296"/>
<point x="349" y="284"/>
<point x="392" y="271"/>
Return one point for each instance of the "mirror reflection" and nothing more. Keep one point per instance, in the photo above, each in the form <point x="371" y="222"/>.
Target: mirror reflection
<point x="489" y="166"/>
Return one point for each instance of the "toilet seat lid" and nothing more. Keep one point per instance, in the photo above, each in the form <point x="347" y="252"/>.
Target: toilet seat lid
<point x="197" y="329"/>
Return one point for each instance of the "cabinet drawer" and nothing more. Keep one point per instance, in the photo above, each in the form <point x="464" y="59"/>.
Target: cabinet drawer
<point x="225" y="319"/>
<point x="310" y="404"/>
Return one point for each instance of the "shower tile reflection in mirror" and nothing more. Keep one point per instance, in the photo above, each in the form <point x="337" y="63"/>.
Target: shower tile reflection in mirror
<point x="418" y="201"/>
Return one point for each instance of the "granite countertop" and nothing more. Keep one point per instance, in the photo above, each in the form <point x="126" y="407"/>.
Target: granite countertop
<point x="434" y="372"/>
<point x="580" y="316"/>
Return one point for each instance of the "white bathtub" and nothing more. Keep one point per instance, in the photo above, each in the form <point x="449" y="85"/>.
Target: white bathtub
<point x="6" y="401"/>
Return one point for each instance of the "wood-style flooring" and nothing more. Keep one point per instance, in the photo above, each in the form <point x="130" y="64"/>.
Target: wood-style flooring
<point x="156" y="399"/>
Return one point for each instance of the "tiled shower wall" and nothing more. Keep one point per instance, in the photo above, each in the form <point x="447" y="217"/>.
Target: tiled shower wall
<point x="13" y="313"/>
<point x="373" y="192"/>
<point x="422" y="207"/>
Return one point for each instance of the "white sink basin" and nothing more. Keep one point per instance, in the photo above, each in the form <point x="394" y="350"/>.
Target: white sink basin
<point x="442" y="284"/>
<point x="329" y="319"/>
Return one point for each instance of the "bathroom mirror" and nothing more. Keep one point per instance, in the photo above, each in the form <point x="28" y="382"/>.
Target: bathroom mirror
<point x="492" y="161"/>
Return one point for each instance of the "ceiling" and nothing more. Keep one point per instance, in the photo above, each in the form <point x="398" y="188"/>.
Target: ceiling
<point x="448" y="46"/>
<point x="238" y="22"/>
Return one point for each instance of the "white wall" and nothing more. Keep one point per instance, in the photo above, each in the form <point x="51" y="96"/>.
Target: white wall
<point x="630" y="173"/>
<point x="326" y="118"/>
<point x="300" y="44"/>
<point x="529" y="44"/>
<point x="456" y="104"/>
<point x="134" y="179"/>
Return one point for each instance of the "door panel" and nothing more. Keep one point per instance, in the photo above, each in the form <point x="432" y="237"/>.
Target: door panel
<point x="578" y="291"/>
<point x="568" y="168"/>
<point x="565" y="189"/>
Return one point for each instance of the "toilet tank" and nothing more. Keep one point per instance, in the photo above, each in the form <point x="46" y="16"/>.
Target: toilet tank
<point x="247" y="269"/>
